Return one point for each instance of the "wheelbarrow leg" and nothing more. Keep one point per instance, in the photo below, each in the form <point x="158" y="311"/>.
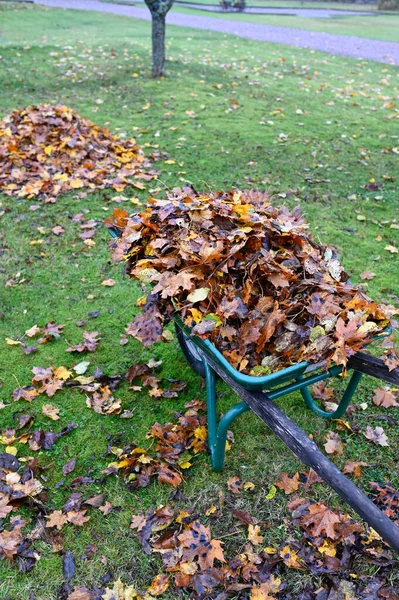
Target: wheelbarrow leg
<point x="217" y="433"/>
<point x="344" y="403"/>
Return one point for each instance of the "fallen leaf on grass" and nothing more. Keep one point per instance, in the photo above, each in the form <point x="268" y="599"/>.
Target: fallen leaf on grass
<point x="367" y="275"/>
<point x="159" y="585"/>
<point x="376" y="435"/>
<point x="384" y="397"/>
<point x="334" y="444"/>
<point x="321" y="521"/>
<point x="90" y="343"/>
<point x="290" y="558"/>
<point x="103" y="402"/>
<point x="69" y="466"/>
<point x="235" y="484"/>
<point x="254" y="534"/>
<point x="355" y="467"/>
<point x="50" y="411"/>
<point x="288" y="484"/>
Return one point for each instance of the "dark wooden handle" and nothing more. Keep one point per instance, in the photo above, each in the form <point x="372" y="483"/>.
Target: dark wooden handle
<point x="375" y="367"/>
<point x="308" y="452"/>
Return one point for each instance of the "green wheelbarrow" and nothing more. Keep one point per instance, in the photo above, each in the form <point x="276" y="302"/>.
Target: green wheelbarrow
<point x="297" y="377"/>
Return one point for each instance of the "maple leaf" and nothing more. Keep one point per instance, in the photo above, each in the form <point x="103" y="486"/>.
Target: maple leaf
<point x="367" y="275"/>
<point x="320" y="519"/>
<point x="376" y="435"/>
<point x="56" y="519"/>
<point x="334" y="444"/>
<point x="290" y="558"/>
<point x="10" y="542"/>
<point x="253" y="534"/>
<point x="77" y="517"/>
<point x="233" y="308"/>
<point x="349" y="340"/>
<point x="27" y="393"/>
<point x="166" y="475"/>
<point x="384" y="397"/>
<point x="50" y="385"/>
<point x="321" y="391"/>
<point x="90" y="342"/>
<point x="392" y="360"/>
<point x="33" y="331"/>
<point x="103" y="402"/>
<point x="263" y="591"/>
<point x="119" y="592"/>
<point x="41" y="373"/>
<point x="81" y="593"/>
<point x="287" y="483"/>
<point x="273" y="320"/>
<point x="50" y="411"/>
<point x="235" y="484"/>
<point x="5" y="507"/>
<point x="355" y="467"/>
<point x="199" y="545"/>
<point x="146" y="327"/>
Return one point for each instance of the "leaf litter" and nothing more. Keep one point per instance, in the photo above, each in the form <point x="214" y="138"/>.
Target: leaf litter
<point x="48" y="150"/>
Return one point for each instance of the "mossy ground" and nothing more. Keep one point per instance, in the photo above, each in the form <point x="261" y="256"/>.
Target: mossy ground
<point x="313" y="129"/>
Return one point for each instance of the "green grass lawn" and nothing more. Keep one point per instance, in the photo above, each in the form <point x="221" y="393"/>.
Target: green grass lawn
<point x="313" y="129"/>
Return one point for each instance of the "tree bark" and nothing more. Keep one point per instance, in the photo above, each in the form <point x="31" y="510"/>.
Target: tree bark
<point x="158" y="45"/>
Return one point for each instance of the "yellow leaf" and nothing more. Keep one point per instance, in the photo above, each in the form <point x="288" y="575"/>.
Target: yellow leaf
<point x="391" y="249"/>
<point x="76" y="183"/>
<point x="271" y="493"/>
<point x="185" y="465"/>
<point x="138" y="185"/>
<point x="327" y="548"/>
<point x="48" y="150"/>
<point x="248" y="485"/>
<point x="11" y="342"/>
<point x="170" y="162"/>
<point x="62" y="373"/>
<point x="211" y="510"/>
<point x="12" y="450"/>
<point x="198" y="294"/>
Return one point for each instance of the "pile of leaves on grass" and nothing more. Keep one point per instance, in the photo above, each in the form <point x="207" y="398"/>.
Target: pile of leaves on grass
<point x="48" y="150"/>
<point x="247" y="276"/>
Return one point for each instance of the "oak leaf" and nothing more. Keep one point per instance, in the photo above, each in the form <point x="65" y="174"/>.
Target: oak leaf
<point x="320" y="521"/>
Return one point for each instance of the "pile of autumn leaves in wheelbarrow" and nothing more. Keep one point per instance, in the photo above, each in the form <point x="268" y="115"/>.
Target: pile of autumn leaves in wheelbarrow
<point x="247" y="276"/>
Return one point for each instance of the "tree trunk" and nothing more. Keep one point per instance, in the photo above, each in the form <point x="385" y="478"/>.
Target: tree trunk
<point x="158" y="45"/>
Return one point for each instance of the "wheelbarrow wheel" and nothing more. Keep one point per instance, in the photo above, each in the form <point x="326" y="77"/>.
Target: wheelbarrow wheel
<point x="192" y="354"/>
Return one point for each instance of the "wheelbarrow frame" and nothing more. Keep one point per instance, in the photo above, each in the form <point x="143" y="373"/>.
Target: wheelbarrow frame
<point x="278" y="384"/>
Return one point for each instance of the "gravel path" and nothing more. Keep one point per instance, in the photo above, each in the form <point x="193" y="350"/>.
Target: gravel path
<point x="355" y="47"/>
<point x="307" y="13"/>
